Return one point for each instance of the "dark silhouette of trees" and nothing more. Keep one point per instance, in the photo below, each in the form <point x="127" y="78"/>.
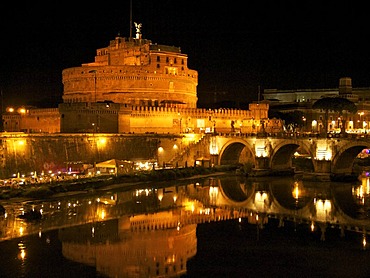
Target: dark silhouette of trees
<point x="292" y="119"/>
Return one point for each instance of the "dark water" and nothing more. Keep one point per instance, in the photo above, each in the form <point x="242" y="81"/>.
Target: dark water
<point x="153" y="234"/>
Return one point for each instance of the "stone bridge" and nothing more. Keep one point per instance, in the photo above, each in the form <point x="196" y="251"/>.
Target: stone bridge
<point x="269" y="153"/>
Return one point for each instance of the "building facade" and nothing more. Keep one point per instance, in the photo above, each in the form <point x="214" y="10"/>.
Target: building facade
<point x="303" y="99"/>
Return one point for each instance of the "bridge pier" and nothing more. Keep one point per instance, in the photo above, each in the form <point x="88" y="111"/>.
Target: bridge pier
<point x="323" y="166"/>
<point x="322" y="171"/>
<point x="262" y="163"/>
<point x="261" y="167"/>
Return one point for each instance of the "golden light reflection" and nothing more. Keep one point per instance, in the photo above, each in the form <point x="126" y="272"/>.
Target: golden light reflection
<point x="364" y="241"/>
<point x="102" y="214"/>
<point x="213" y="194"/>
<point x="323" y="209"/>
<point x="22" y="251"/>
<point x="189" y="206"/>
<point x="260" y="199"/>
<point x="362" y="191"/>
<point x="296" y="190"/>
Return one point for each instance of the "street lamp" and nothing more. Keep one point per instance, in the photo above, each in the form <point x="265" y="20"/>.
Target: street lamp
<point x="94" y="72"/>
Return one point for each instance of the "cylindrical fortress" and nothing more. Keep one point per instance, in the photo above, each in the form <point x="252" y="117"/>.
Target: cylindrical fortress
<point x="134" y="72"/>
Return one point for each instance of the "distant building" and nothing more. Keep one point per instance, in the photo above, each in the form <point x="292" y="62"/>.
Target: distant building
<point x="303" y="99"/>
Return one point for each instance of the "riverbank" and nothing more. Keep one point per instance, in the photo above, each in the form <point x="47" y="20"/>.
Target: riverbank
<point x="106" y="183"/>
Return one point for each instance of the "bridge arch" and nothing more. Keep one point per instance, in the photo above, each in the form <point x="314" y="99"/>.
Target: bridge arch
<point x="282" y="153"/>
<point x="236" y="151"/>
<point x="344" y="158"/>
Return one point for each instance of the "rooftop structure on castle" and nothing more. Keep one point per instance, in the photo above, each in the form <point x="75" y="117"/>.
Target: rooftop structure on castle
<point x="136" y="72"/>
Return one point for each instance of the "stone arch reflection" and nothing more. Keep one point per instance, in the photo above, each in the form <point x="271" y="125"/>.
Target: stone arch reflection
<point x="236" y="188"/>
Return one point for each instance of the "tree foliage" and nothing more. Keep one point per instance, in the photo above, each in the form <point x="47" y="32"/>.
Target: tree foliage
<point x="292" y="119"/>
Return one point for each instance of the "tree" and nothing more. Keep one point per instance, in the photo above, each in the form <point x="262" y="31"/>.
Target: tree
<point x="337" y="104"/>
<point x="292" y="119"/>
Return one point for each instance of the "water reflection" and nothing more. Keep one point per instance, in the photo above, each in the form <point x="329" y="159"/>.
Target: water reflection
<point x="152" y="231"/>
<point x="118" y="251"/>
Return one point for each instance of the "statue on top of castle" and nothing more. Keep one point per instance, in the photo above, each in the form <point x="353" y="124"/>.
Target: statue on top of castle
<point x="138" y="30"/>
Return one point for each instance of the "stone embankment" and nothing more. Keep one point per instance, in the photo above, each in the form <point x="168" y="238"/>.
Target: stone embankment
<point x="91" y="185"/>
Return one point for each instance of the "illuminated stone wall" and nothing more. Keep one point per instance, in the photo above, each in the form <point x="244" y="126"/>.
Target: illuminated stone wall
<point x="26" y="153"/>
<point x="135" y="72"/>
<point x="106" y="117"/>
<point x="45" y="120"/>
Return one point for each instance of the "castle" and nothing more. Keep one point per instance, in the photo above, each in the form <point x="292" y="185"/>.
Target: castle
<point x="136" y="86"/>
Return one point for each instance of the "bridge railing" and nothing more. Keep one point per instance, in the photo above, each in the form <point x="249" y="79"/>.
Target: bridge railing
<point x="293" y="135"/>
<point x="268" y="134"/>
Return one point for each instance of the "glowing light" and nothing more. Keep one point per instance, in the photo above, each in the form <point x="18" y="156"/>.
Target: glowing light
<point x="22" y="110"/>
<point x="213" y="148"/>
<point x="189" y="206"/>
<point x="296" y="190"/>
<point x="364" y="241"/>
<point x="22" y="251"/>
<point x="323" y="151"/>
<point x="260" y="149"/>
<point x="101" y="142"/>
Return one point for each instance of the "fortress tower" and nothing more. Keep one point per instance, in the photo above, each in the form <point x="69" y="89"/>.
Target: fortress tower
<point x="135" y="86"/>
<point x="135" y="72"/>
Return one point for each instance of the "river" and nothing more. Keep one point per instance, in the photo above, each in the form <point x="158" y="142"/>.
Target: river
<point x="222" y="226"/>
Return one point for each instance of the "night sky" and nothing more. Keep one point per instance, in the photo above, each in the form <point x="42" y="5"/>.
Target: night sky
<point x="237" y="47"/>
